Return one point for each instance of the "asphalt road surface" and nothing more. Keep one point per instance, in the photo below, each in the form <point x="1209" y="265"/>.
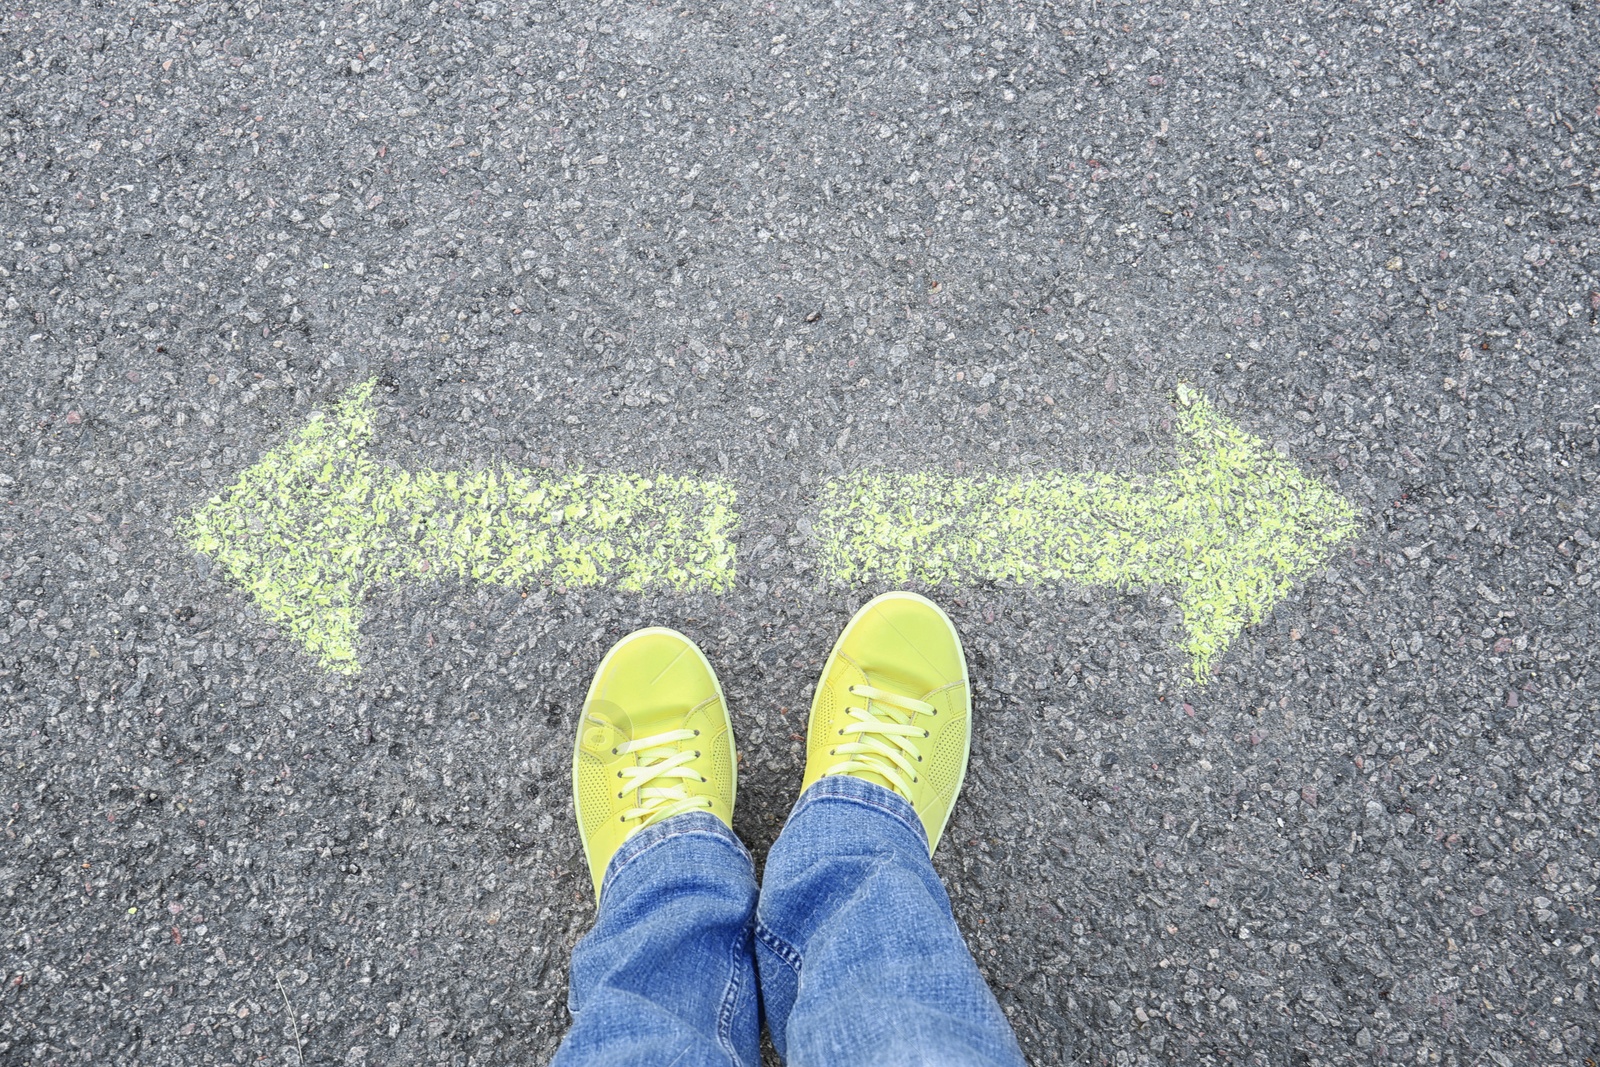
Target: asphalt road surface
<point x="784" y="246"/>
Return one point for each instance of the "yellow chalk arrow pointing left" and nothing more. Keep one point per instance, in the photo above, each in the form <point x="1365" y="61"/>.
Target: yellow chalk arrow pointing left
<point x="318" y="521"/>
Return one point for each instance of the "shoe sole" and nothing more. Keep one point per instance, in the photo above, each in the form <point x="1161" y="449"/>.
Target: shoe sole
<point x="588" y="698"/>
<point x="966" y="682"/>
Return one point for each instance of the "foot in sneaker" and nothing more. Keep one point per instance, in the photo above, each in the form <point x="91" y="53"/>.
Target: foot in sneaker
<point x="893" y="707"/>
<point x="654" y="741"/>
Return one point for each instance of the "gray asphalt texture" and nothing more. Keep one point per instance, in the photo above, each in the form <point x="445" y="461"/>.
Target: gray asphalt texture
<point x="781" y="243"/>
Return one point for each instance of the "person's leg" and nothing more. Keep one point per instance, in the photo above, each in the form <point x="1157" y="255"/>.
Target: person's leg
<point x="860" y="958"/>
<point x="667" y="975"/>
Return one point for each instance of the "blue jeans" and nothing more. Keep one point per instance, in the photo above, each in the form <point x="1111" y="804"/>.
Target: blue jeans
<point x="858" y="955"/>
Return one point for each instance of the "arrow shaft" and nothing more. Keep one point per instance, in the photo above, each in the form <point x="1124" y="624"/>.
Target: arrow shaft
<point x="936" y="527"/>
<point x="511" y="527"/>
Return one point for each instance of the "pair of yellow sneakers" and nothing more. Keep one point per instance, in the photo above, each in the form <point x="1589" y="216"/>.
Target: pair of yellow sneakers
<point x="892" y="707"/>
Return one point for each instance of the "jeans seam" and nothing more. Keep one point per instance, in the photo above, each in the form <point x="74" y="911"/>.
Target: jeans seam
<point x="781" y="948"/>
<point x="730" y="999"/>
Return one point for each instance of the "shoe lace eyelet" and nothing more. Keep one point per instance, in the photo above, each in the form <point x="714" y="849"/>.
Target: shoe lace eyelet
<point x="926" y="734"/>
<point x="614" y="752"/>
<point x="697" y="753"/>
<point x="697" y="733"/>
<point x="919" y="759"/>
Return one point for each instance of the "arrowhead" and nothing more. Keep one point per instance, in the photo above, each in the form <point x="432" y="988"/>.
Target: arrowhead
<point x="301" y="530"/>
<point x="1253" y="523"/>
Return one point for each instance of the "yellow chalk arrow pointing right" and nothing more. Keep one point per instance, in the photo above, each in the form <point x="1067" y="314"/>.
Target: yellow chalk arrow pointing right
<point x="1231" y="528"/>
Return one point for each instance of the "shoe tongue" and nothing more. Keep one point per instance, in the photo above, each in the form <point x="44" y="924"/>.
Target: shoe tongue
<point x="897" y="688"/>
<point x="888" y="680"/>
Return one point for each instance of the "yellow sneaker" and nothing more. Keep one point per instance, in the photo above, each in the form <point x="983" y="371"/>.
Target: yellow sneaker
<point x="893" y="707"/>
<point x="654" y="741"/>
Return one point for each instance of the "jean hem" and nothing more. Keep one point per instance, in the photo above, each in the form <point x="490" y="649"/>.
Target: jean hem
<point x="690" y="823"/>
<point x="866" y="794"/>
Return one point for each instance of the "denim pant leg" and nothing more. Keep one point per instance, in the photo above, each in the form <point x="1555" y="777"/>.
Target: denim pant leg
<point x="860" y="958"/>
<point x="667" y="975"/>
